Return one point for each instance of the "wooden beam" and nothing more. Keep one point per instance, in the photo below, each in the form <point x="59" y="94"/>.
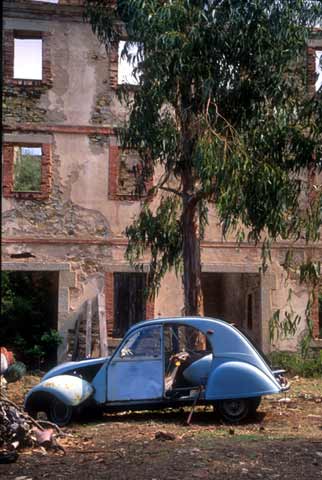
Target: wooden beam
<point x="102" y="324"/>
<point x="88" y="348"/>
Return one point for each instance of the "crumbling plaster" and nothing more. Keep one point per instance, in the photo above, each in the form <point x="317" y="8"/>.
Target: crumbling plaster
<point x="78" y="211"/>
<point x="80" y="66"/>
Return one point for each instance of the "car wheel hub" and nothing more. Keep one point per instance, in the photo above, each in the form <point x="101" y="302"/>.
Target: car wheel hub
<point x="234" y="408"/>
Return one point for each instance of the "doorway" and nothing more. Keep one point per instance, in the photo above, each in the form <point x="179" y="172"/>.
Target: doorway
<point x="29" y="316"/>
<point x="235" y="298"/>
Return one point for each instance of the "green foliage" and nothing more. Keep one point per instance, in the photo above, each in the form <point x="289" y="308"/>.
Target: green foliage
<point x="7" y="295"/>
<point x="222" y="107"/>
<point x="25" y="311"/>
<point x="295" y="364"/>
<point x="161" y="232"/>
<point x="27" y="173"/>
<point x="284" y="327"/>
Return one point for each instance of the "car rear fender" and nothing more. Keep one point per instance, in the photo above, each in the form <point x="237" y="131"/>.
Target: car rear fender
<point x="234" y="379"/>
<point x="71" y="390"/>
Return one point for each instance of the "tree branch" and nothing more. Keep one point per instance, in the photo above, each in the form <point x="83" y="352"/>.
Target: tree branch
<point x="171" y="190"/>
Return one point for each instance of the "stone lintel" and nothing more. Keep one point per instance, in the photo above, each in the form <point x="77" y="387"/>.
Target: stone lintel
<point x="34" y="266"/>
<point x="229" y="268"/>
<point x="27" y="138"/>
<point x="117" y="267"/>
<point x="67" y="279"/>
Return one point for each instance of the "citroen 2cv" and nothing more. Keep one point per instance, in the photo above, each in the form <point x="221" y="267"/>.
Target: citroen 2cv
<point x="164" y="363"/>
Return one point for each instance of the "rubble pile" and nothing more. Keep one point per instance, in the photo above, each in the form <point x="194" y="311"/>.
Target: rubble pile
<point x="19" y="430"/>
<point x="15" y="429"/>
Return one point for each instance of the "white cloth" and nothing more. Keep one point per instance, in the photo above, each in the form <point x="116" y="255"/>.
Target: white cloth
<point x="3" y="363"/>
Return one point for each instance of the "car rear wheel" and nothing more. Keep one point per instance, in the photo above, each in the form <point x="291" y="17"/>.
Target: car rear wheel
<point x="59" y="412"/>
<point x="234" y="410"/>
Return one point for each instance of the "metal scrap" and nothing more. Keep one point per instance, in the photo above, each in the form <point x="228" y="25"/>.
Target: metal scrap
<point x="18" y="430"/>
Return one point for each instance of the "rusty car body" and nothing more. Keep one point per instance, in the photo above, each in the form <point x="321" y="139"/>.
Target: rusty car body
<point x="164" y="363"/>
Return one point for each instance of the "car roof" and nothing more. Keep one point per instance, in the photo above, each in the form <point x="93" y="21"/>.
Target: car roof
<point x="198" y="322"/>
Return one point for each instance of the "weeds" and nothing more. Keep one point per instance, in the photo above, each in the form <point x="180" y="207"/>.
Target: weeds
<point x="295" y="364"/>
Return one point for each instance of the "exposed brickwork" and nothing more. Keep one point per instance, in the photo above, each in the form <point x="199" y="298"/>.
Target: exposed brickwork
<point x="109" y="301"/>
<point x="149" y="309"/>
<point x="121" y="180"/>
<point x="8" y="173"/>
<point x="311" y="67"/>
<point x="8" y="57"/>
<point x="113" y="172"/>
<point x="315" y="314"/>
<point x="114" y="65"/>
<point x="8" y="53"/>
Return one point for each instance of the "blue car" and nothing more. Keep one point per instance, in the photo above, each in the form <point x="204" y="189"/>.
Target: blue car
<point x="164" y="363"/>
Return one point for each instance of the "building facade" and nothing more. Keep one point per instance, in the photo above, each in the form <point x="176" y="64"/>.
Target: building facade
<point x="68" y="222"/>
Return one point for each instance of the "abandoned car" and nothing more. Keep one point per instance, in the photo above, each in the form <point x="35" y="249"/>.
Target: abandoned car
<point x="164" y="363"/>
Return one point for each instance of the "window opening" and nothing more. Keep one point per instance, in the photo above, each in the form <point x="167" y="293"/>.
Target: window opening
<point x="144" y="343"/>
<point x="27" y="63"/>
<point x="179" y="338"/>
<point x="318" y="69"/>
<point x="27" y="169"/>
<point x="127" y="73"/>
<point x="183" y="345"/>
<point x="250" y="311"/>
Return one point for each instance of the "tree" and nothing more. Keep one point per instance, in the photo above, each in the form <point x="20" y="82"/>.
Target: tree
<point x="222" y="106"/>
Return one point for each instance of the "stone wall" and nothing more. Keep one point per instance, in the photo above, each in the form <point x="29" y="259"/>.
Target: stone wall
<point x="78" y="227"/>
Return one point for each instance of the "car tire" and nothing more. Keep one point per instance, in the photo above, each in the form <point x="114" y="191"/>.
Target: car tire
<point x="254" y="404"/>
<point x="59" y="413"/>
<point x="235" y="410"/>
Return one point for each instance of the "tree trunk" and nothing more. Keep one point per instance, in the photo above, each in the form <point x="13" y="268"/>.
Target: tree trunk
<point x="193" y="301"/>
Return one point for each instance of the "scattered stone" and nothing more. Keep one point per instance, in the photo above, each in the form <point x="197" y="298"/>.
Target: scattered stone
<point x="164" y="436"/>
<point x="195" y="450"/>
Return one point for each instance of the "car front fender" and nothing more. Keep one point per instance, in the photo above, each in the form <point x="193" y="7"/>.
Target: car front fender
<point x="71" y="390"/>
<point x="233" y="379"/>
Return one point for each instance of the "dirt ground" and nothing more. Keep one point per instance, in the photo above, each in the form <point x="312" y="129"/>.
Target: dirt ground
<point x="284" y="441"/>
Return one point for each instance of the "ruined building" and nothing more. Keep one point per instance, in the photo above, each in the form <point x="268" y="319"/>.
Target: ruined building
<point x="67" y="223"/>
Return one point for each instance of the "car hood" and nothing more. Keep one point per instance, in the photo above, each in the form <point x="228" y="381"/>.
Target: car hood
<point x="70" y="366"/>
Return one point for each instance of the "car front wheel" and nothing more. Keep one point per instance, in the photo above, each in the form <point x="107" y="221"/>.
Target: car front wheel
<point x="59" y="412"/>
<point x="235" y="410"/>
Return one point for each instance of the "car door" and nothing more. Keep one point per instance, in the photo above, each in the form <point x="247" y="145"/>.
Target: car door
<point x="136" y="371"/>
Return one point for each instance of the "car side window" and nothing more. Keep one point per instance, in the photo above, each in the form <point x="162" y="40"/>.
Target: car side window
<point x="142" y="344"/>
<point x="180" y="338"/>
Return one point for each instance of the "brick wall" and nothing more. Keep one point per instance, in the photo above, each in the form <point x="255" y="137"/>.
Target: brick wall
<point x="113" y="54"/>
<point x="311" y="67"/>
<point x="315" y="314"/>
<point x="312" y="176"/>
<point x="8" y="58"/>
<point x="109" y="301"/>
<point x="8" y="173"/>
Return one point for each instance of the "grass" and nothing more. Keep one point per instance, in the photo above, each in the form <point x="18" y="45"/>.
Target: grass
<point x="295" y="364"/>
